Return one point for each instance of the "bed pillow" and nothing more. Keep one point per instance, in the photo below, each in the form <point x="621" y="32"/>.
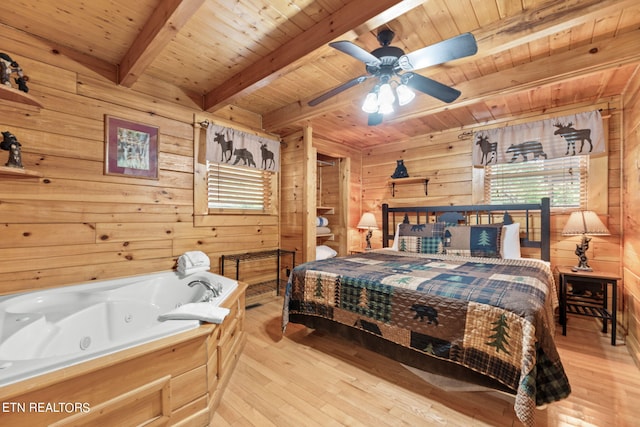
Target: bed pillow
<point x="421" y="238"/>
<point x="324" y="252"/>
<point x="433" y="229"/>
<point x="511" y="241"/>
<point x="394" y="246"/>
<point x="473" y="240"/>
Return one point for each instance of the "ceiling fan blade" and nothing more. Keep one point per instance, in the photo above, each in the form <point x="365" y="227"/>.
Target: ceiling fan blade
<point x="374" y="119"/>
<point x="336" y="90"/>
<point x="355" y="51"/>
<point x="431" y="87"/>
<point x="447" y="50"/>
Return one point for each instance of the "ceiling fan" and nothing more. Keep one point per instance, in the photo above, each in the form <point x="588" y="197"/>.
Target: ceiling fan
<point x="390" y="65"/>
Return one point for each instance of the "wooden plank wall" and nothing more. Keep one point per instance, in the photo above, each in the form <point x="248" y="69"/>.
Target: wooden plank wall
<point x="77" y="224"/>
<point x="297" y="197"/>
<point x="631" y="215"/>
<point x="445" y="159"/>
<point x="292" y="194"/>
<point x="350" y="203"/>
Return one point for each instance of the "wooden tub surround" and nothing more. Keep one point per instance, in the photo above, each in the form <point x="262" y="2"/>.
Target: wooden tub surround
<point x="178" y="381"/>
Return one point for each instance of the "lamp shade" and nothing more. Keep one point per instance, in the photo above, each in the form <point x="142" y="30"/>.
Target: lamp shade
<point x="585" y="222"/>
<point x="368" y="221"/>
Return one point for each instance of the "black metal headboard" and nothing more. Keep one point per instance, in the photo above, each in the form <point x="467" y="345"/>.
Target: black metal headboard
<point x="475" y="214"/>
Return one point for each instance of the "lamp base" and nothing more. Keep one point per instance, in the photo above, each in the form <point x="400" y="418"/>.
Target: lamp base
<point x="581" y="251"/>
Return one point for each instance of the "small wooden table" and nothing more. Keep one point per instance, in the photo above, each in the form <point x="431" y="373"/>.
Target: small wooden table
<point x="586" y="293"/>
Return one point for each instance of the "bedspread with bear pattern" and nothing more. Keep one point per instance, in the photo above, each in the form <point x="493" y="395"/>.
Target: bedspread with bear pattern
<point x="490" y="315"/>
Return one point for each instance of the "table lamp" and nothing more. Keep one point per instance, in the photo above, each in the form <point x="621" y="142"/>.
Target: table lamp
<point x="368" y="222"/>
<point x="583" y="223"/>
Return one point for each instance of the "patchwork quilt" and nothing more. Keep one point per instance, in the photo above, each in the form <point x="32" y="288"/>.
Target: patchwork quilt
<point x="491" y="315"/>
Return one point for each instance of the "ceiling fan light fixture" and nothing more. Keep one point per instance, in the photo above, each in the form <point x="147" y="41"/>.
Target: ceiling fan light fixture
<point x="405" y="95"/>
<point x="385" y="95"/>
<point x="390" y="65"/>
<point x="370" y="104"/>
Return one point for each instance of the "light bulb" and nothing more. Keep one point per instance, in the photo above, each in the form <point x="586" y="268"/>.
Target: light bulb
<point x="385" y="95"/>
<point x="370" y="104"/>
<point x="405" y="95"/>
<point x="385" y="109"/>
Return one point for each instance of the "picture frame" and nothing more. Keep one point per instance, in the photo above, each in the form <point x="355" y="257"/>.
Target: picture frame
<point x="131" y="148"/>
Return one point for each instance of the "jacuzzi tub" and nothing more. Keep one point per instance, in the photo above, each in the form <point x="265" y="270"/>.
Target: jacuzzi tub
<point x="51" y="329"/>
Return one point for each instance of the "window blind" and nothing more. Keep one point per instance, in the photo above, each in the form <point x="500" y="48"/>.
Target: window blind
<point x="563" y="180"/>
<point x="234" y="187"/>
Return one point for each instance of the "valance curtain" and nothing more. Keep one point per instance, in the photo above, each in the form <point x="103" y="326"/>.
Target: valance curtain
<point x="233" y="147"/>
<point x="572" y="135"/>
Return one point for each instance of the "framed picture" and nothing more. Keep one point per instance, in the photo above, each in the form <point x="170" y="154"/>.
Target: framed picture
<point x="131" y="148"/>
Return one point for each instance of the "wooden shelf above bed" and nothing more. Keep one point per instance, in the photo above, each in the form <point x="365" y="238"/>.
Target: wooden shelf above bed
<point x="409" y="180"/>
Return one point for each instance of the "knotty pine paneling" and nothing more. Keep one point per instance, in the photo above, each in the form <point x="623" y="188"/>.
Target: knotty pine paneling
<point x="631" y="215"/>
<point x="446" y="161"/>
<point x="292" y="194"/>
<point x="76" y="224"/>
<point x="43" y="211"/>
<point x="347" y="206"/>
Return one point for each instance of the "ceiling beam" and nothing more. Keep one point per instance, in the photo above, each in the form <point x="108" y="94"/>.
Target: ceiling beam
<point x="354" y="14"/>
<point x="548" y="18"/>
<point x="165" y="22"/>
<point x="593" y="58"/>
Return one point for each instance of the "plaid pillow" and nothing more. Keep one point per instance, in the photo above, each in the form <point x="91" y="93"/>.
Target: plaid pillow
<point x="474" y="240"/>
<point x="421" y="238"/>
<point x="420" y="244"/>
<point x="435" y="229"/>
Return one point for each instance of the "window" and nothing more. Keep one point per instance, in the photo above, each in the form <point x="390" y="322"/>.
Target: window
<point x="239" y="188"/>
<point x="563" y="180"/>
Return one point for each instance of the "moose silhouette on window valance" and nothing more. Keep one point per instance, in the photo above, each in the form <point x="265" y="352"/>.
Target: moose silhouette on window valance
<point x="572" y="135"/>
<point x="237" y="148"/>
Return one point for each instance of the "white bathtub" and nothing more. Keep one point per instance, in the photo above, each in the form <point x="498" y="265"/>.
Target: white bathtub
<point x="51" y="329"/>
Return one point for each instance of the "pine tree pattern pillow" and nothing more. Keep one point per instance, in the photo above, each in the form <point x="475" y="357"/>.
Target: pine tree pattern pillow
<point x="421" y="238"/>
<point x="473" y="240"/>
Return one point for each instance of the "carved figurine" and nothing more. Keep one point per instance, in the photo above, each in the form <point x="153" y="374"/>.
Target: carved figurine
<point x="7" y="67"/>
<point x="581" y="251"/>
<point x="11" y="144"/>
<point x="401" y="170"/>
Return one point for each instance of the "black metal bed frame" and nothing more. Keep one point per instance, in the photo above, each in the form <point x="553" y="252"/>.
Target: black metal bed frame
<point x="464" y="214"/>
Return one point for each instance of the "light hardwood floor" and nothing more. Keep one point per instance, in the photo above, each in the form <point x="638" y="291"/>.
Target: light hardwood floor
<point x="311" y="379"/>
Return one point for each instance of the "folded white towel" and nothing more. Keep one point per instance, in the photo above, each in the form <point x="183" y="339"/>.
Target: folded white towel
<point x="191" y="270"/>
<point x="323" y="230"/>
<point x="322" y="221"/>
<point x="193" y="259"/>
<point x="203" y="311"/>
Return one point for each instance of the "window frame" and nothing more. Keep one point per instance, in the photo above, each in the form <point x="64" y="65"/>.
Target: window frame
<point x="551" y="173"/>
<point x="203" y="216"/>
<point x="236" y="175"/>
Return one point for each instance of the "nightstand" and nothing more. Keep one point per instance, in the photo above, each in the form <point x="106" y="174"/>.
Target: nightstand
<point x="586" y="293"/>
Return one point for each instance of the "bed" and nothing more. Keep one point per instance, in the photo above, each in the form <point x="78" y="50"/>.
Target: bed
<point x="451" y="296"/>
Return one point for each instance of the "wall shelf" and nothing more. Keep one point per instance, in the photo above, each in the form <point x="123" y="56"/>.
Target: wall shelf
<point x="6" y="171"/>
<point x="16" y="95"/>
<point x="326" y="210"/>
<point x="409" y="180"/>
<point x="329" y="236"/>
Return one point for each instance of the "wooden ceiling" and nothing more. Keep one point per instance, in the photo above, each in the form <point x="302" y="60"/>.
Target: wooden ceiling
<point x="272" y="57"/>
